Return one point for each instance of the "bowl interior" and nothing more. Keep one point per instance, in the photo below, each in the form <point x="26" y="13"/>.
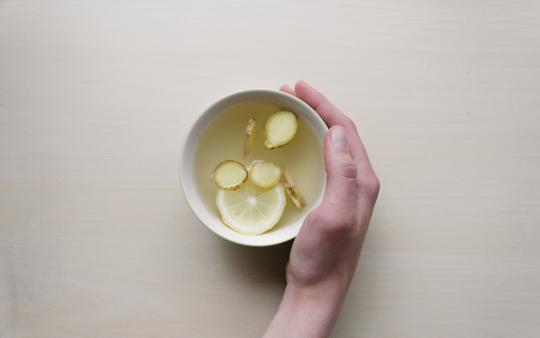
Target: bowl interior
<point x="286" y="231"/>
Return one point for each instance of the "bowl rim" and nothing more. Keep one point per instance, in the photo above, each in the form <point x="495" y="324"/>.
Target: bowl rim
<point x="320" y="129"/>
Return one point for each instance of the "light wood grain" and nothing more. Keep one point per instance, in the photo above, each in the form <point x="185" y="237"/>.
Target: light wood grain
<point x="96" y="239"/>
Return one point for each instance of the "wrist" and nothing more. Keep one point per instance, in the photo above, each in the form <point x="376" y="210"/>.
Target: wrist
<point x="308" y="311"/>
<point x="322" y="297"/>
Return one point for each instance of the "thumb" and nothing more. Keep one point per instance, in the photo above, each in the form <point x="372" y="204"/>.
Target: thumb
<point x="341" y="172"/>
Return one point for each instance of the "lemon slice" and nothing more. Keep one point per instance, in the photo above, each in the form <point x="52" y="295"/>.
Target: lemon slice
<point x="251" y="210"/>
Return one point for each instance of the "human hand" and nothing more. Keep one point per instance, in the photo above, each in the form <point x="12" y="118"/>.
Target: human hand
<point x="325" y="253"/>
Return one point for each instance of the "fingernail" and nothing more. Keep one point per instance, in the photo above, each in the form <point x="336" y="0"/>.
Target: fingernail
<point x="339" y="139"/>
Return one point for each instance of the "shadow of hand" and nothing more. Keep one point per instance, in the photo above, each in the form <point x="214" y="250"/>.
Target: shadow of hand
<point x="259" y="266"/>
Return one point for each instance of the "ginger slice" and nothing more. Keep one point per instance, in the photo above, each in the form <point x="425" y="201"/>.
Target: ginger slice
<point x="249" y="136"/>
<point x="229" y="175"/>
<point x="290" y="187"/>
<point x="252" y="164"/>
<point x="264" y="174"/>
<point x="280" y="129"/>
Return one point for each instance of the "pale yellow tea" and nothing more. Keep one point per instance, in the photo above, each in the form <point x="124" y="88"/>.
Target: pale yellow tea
<point x="224" y="140"/>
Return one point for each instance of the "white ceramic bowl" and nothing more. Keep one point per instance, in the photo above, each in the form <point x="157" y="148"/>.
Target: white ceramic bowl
<point x="208" y="217"/>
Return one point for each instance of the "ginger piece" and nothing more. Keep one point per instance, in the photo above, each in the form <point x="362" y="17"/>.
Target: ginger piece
<point x="264" y="174"/>
<point x="229" y="175"/>
<point x="290" y="187"/>
<point x="280" y="129"/>
<point x="249" y="136"/>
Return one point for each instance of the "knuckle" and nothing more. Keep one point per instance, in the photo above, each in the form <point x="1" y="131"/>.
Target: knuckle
<point x="331" y="223"/>
<point x="375" y="184"/>
<point x="370" y="186"/>
<point x="340" y="225"/>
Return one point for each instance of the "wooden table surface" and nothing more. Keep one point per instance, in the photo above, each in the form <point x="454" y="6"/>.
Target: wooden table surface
<point x="96" y="239"/>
